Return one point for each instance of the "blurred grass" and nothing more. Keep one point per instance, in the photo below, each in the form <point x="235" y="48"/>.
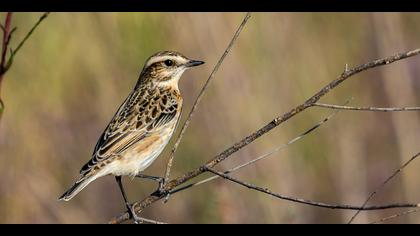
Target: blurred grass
<point x="76" y="69"/>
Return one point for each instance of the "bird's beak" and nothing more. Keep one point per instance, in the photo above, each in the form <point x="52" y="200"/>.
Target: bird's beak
<point x="192" y="63"/>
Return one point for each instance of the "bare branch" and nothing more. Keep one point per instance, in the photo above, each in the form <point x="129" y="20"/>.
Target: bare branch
<point x="395" y="216"/>
<point x="261" y="157"/>
<point x="383" y="184"/>
<point x="378" y="109"/>
<point x="156" y="196"/>
<point x="12" y="55"/>
<point x="284" y="145"/>
<point x="7" y="34"/>
<point x="200" y="95"/>
<point x="309" y="202"/>
<point x="5" y="43"/>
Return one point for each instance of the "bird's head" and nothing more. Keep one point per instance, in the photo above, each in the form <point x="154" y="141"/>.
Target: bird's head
<point x="166" y="68"/>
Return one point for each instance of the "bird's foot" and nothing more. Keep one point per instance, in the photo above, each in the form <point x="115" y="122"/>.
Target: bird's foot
<point x="161" y="192"/>
<point x="161" y="188"/>
<point x="161" y="184"/>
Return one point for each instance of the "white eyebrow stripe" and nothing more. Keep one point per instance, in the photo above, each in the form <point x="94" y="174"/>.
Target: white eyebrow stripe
<point x="166" y="57"/>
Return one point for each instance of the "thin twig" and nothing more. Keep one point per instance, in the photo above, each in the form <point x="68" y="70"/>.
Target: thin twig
<point x="14" y="52"/>
<point x="319" y="124"/>
<point x="156" y="196"/>
<point x="379" y="109"/>
<point x="200" y="95"/>
<point x="308" y="202"/>
<point x="275" y="150"/>
<point x="395" y="216"/>
<point x="395" y="173"/>
<point x="5" y="43"/>
<point x="1" y="108"/>
<point x="7" y="34"/>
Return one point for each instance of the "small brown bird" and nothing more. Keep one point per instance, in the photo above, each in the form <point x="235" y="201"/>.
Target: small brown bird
<point x="142" y="126"/>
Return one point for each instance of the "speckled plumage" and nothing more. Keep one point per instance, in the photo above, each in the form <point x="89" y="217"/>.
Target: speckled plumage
<point x="142" y="126"/>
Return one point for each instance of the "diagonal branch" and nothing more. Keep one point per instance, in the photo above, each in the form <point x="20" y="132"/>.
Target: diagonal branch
<point x="383" y="184"/>
<point x="259" y="158"/>
<point x="308" y="202"/>
<point x="378" y="109"/>
<point x="200" y="95"/>
<point x="7" y="33"/>
<point x="5" y="43"/>
<point x="14" y="52"/>
<point x="141" y="205"/>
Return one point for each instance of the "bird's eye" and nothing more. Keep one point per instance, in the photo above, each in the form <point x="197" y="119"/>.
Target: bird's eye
<point x="169" y="62"/>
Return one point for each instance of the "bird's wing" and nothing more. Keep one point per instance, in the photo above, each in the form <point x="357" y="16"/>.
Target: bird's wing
<point x="142" y="113"/>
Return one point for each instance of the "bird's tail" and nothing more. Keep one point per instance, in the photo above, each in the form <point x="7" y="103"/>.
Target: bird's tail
<point x="76" y="188"/>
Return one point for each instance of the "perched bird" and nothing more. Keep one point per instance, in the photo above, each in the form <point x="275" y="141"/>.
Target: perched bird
<point x="142" y="126"/>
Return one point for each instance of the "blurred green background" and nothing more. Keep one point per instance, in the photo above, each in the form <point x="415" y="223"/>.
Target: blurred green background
<point x="77" y="68"/>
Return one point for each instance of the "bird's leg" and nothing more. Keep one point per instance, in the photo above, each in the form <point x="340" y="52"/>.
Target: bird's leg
<point x="129" y="206"/>
<point x="160" y="180"/>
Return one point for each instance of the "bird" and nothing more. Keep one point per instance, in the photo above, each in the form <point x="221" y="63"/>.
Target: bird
<point x="141" y="127"/>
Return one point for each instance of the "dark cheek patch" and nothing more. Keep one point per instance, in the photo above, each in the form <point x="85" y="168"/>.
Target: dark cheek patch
<point x="156" y="70"/>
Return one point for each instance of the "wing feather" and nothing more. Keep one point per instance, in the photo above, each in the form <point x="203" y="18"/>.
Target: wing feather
<point x="141" y="114"/>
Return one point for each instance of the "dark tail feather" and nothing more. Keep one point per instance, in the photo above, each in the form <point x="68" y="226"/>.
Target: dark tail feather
<point x="76" y="188"/>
